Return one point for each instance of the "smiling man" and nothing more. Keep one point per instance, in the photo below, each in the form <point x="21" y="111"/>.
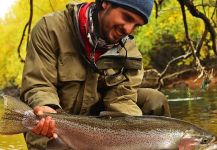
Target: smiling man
<point x="84" y="61"/>
<point x="117" y="23"/>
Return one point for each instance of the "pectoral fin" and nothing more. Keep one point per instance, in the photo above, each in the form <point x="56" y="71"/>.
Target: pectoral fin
<point x="57" y="144"/>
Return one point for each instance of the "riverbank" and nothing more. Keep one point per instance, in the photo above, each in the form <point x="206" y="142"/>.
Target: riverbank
<point x="184" y="81"/>
<point x="191" y="82"/>
<point x="187" y="80"/>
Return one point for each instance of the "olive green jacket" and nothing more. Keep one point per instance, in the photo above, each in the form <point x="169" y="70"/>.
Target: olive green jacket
<point x="55" y="73"/>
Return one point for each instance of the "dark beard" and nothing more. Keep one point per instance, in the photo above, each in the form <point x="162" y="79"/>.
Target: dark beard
<point x="99" y="26"/>
<point x="98" y="34"/>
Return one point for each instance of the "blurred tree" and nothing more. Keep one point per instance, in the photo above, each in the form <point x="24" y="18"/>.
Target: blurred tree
<point x="170" y="34"/>
<point x="12" y="28"/>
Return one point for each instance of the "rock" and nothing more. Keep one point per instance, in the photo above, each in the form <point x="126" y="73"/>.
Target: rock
<point x="180" y="85"/>
<point x="150" y="79"/>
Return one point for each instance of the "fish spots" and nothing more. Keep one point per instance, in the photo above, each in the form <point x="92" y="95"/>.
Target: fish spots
<point x="29" y="119"/>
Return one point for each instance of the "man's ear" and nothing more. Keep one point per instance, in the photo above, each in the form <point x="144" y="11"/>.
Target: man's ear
<point x="105" y="5"/>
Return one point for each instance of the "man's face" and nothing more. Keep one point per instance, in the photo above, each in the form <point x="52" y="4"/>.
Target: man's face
<point x="117" y="22"/>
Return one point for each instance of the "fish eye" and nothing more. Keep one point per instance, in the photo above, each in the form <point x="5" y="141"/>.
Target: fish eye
<point x="205" y="140"/>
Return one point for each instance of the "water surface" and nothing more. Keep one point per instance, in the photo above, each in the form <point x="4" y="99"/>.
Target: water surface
<point x="198" y="107"/>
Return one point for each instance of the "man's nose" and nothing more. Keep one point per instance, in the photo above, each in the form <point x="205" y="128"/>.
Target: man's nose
<point x="129" y="28"/>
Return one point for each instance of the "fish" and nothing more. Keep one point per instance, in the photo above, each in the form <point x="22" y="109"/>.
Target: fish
<point x="107" y="133"/>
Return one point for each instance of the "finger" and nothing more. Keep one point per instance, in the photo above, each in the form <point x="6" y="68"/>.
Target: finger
<point x="52" y="129"/>
<point x="48" y="109"/>
<point x="38" y="111"/>
<point x="55" y="130"/>
<point x="39" y="127"/>
<point x="55" y="136"/>
<point x="46" y="126"/>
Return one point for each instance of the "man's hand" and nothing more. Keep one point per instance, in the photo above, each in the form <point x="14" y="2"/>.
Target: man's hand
<point x="46" y="126"/>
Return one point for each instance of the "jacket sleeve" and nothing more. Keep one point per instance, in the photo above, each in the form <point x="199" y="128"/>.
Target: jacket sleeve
<point x="40" y="72"/>
<point x="122" y="97"/>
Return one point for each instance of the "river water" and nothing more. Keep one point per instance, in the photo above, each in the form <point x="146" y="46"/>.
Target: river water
<point x="198" y="107"/>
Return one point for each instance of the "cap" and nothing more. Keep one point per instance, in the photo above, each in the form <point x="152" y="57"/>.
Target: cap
<point x="141" y="7"/>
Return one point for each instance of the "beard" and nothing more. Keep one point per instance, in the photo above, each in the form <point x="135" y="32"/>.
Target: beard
<point x="110" y="35"/>
<point x="105" y="30"/>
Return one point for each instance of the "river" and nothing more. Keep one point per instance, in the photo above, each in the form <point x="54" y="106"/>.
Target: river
<point x="198" y="107"/>
<point x="195" y="106"/>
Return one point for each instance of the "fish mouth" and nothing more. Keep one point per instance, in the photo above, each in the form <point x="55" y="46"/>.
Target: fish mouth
<point x="213" y="140"/>
<point x="212" y="145"/>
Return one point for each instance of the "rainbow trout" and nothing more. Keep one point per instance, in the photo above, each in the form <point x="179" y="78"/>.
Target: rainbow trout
<point x="104" y="133"/>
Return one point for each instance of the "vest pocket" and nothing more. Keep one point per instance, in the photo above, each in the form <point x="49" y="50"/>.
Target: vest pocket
<point x="112" y="79"/>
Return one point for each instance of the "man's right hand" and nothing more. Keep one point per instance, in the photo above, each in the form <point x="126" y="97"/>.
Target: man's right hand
<point x="46" y="126"/>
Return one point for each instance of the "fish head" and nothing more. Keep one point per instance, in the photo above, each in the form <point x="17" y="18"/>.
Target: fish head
<point x="197" y="140"/>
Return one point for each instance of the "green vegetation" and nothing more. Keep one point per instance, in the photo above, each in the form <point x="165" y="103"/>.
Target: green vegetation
<point x="163" y="35"/>
<point x="12" y="28"/>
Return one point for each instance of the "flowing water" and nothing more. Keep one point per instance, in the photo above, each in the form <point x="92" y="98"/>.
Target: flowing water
<point x="198" y="107"/>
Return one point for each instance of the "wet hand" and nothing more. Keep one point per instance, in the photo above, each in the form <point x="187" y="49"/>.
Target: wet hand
<point x="46" y="126"/>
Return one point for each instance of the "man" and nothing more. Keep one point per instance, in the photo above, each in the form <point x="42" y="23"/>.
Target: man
<point x="84" y="61"/>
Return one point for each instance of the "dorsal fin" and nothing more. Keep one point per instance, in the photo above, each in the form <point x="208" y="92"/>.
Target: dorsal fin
<point x="111" y="114"/>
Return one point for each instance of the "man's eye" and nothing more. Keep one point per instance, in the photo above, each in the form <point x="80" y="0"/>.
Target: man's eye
<point x="128" y="18"/>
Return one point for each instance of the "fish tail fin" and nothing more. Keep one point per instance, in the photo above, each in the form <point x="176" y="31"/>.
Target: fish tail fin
<point x="12" y="113"/>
